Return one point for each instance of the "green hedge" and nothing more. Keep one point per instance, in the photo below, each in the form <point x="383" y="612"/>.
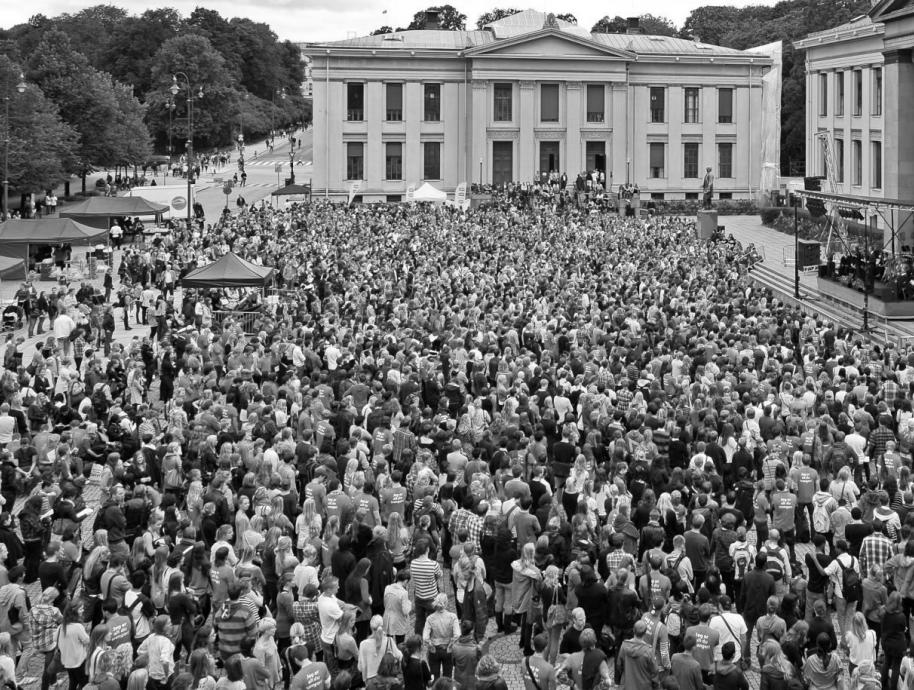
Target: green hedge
<point x="690" y="207"/>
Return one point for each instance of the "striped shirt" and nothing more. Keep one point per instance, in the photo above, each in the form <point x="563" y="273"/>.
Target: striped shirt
<point x="425" y="574"/>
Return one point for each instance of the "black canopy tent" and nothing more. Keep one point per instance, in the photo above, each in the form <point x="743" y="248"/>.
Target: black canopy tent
<point x="229" y="271"/>
<point x="97" y="211"/>
<point x="294" y="190"/>
<point x="18" y="236"/>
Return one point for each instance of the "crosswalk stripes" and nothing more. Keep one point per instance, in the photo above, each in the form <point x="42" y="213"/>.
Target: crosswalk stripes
<point x="272" y="164"/>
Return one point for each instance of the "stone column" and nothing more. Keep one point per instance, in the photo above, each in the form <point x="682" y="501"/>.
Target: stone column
<point x="897" y="142"/>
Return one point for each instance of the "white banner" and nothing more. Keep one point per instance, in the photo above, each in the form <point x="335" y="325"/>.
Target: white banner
<point x="460" y="194"/>
<point x="353" y="190"/>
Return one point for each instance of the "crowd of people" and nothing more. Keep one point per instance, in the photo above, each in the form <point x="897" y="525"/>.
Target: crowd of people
<point x="592" y="434"/>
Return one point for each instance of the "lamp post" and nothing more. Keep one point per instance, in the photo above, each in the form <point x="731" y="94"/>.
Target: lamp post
<point x="175" y="88"/>
<point x="480" y="173"/>
<point x="282" y="96"/>
<point x="170" y="106"/>
<point x="796" y="247"/>
<point x="20" y="87"/>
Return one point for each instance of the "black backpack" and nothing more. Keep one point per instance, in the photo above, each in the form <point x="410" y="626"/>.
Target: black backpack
<point x="851" y="586"/>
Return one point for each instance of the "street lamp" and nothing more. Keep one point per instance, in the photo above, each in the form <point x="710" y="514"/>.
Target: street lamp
<point x="282" y="95"/>
<point x="175" y="88"/>
<point x="20" y="87"/>
<point x="170" y="106"/>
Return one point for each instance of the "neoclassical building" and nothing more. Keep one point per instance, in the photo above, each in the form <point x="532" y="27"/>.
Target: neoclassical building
<point x="530" y="94"/>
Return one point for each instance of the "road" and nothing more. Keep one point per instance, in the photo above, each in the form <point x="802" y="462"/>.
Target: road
<point x="263" y="179"/>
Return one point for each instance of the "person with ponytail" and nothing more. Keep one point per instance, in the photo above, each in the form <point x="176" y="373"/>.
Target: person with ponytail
<point x="374" y="648"/>
<point x="822" y="669"/>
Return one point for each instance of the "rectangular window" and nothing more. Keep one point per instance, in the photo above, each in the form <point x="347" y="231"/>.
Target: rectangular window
<point x="431" y="160"/>
<point x="549" y="156"/>
<point x="393" y="161"/>
<point x="691" y="196"/>
<point x="877" y="91"/>
<point x="839" y="160"/>
<point x="658" y="104"/>
<point x="596" y="104"/>
<point x="431" y="111"/>
<point x="595" y="154"/>
<point x="839" y="93"/>
<point x="394" y="111"/>
<point x="823" y="94"/>
<point x="658" y="160"/>
<point x="355" y="102"/>
<point x="876" y="164"/>
<point x="657" y="196"/>
<point x="691" y="105"/>
<point x="725" y="196"/>
<point x="725" y="106"/>
<point x="690" y="160"/>
<point x="725" y="160"/>
<point x="504" y="97"/>
<point x="549" y="102"/>
<point x="858" y="92"/>
<point x="355" y="161"/>
<point x="857" y="153"/>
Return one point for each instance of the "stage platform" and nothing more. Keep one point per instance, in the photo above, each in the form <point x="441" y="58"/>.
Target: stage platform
<point x="893" y="310"/>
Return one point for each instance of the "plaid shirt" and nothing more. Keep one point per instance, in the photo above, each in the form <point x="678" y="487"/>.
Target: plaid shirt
<point x="891" y="392"/>
<point x="43" y="622"/>
<point x="878" y="438"/>
<point x="623" y="399"/>
<point x="305" y="612"/>
<point x="875" y="550"/>
<point x="615" y="559"/>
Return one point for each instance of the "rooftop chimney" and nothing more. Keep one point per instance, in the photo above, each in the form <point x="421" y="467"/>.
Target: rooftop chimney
<point x="432" y="22"/>
<point x="633" y="26"/>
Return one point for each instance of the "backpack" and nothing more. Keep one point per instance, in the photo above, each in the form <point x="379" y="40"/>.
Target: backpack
<point x="774" y="564"/>
<point x="671" y="570"/>
<point x="821" y="520"/>
<point x="742" y="560"/>
<point x="673" y="622"/>
<point x="851" y="586"/>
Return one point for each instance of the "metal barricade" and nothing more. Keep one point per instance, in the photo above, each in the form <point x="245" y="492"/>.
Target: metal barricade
<point x="246" y="319"/>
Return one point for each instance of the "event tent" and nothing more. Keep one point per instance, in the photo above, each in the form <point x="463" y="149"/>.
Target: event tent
<point x="98" y="211"/>
<point x="429" y="193"/>
<point x="228" y="271"/>
<point x="11" y="267"/>
<point x="17" y="236"/>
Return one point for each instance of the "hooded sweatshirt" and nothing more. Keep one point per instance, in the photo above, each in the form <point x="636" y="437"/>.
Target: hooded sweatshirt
<point x="638" y="665"/>
<point x="901" y="569"/>
<point x="235" y="623"/>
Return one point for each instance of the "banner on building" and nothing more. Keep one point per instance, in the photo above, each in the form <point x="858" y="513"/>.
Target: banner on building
<point x="353" y="190"/>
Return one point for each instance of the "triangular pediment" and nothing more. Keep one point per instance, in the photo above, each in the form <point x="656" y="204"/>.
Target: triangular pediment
<point x="888" y="9"/>
<point x="549" y="43"/>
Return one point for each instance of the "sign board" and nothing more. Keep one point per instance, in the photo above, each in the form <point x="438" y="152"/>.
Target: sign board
<point x="227" y="187"/>
<point x="165" y="195"/>
<point x="278" y="168"/>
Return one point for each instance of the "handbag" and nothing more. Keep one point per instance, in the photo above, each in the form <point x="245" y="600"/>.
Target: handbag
<point x="557" y="614"/>
<point x="55" y="666"/>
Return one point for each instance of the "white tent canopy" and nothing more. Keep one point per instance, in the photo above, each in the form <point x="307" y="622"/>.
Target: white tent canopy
<point x="429" y="193"/>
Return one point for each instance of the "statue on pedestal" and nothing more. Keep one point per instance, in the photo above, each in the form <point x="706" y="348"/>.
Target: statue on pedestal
<point x="707" y="187"/>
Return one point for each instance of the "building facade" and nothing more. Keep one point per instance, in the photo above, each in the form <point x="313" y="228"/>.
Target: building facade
<point x="845" y="106"/>
<point x="860" y="84"/>
<point x="532" y="94"/>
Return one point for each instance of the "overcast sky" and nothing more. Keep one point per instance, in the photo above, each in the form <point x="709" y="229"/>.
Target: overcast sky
<point x="329" y="20"/>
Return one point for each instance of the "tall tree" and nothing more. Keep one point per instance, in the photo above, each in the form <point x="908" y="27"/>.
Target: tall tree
<point x="86" y="99"/>
<point x="449" y="18"/>
<point x="205" y="68"/>
<point x="134" y="40"/>
<point x="382" y="30"/>
<point x="42" y="146"/>
<point x="567" y="17"/>
<point x="90" y="29"/>
<point x="494" y="15"/>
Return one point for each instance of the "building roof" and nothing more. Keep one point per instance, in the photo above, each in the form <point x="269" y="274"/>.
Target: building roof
<point x="861" y="26"/>
<point x="528" y="22"/>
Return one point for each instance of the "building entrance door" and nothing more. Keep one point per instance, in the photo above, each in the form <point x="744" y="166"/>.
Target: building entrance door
<point x="502" y="162"/>
<point x="549" y="157"/>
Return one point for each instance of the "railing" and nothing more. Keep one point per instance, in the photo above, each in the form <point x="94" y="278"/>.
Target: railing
<point x="355" y="115"/>
<point x="595" y="117"/>
<point x="246" y="319"/>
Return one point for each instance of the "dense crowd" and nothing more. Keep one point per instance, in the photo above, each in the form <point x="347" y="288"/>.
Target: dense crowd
<point x="590" y="433"/>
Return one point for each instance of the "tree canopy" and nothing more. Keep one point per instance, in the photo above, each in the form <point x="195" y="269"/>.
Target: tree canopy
<point x="649" y="24"/>
<point x="449" y="18"/>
